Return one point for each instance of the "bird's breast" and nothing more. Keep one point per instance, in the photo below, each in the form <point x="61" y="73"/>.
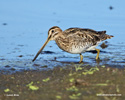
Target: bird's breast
<point x="76" y="49"/>
<point x="71" y="45"/>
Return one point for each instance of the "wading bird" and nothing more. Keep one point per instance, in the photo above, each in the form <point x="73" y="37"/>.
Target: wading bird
<point x="76" y="40"/>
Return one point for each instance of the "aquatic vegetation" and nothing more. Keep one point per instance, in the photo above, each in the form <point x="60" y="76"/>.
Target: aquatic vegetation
<point x="71" y="80"/>
<point x="90" y="71"/>
<point x="100" y="84"/>
<point x="72" y="73"/>
<point x="73" y="88"/>
<point x="58" y="97"/>
<point x="7" y="90"/>
<point x="32" y="87"/>
<point x="12" y="77"/>
<point x="30" y="83"/>
<point x="103" y="66"/>
<point x="75" y="96"/>
<point x="46" y="80"/>
<point x="117" y="88"/>
<point x="78" y="67"/>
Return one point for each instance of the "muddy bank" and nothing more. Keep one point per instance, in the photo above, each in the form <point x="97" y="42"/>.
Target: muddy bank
<point x="76" y="81"/>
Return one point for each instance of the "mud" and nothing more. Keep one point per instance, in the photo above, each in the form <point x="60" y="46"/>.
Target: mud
<point x="76" y="81"/>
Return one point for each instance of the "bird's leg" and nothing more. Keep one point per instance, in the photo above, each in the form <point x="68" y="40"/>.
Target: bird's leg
<point x="81" y="58"/>
<point x="98" y="51"/>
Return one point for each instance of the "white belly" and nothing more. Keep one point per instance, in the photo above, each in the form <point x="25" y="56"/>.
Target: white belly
<point x="78" y="49"/>
<point x="91" y="48"/>
<point x="82" y="49"/>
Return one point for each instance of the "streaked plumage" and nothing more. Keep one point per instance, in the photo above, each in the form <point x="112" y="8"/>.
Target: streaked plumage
<point x="76" y="40"/>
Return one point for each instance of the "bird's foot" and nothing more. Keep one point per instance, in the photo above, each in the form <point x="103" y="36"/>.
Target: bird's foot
<point x="97" y="58"/>
<point x="80" y="62"/>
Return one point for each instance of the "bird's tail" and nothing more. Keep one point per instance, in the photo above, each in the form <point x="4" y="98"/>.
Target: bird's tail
<point x="108" y="36"/>
<point x="104" y="36"/>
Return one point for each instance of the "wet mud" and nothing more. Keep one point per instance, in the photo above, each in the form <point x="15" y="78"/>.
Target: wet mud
<point x="71" y="82"/>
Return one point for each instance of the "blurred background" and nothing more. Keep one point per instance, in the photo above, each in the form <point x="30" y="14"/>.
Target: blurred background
<point x="24" y="24"/>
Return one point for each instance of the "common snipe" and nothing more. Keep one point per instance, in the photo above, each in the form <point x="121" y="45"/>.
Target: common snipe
<point x="75" y="40"/>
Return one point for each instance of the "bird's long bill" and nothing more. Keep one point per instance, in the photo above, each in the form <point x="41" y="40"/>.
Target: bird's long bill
<point x="48" y="39"/>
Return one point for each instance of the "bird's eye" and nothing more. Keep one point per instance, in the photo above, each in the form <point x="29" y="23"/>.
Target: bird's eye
<point x="52" y="31"/>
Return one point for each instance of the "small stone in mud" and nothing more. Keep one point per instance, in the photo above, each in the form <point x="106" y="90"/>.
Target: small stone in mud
<point x="54" y="58"/>
<point x="54" y="13"/>
<point x="20" y="45"/>
<point x="92" y="51"/>
<point x="13" y="69"/>
<point x="2" y="59"/>
<point x="58" y="21"/>
<point x="4" y="24"/>
<point x="47" y="52"/>
<point x="81" y="82"/>
<point x="20" y="56"/>
<point x="44" y="66"/>
<point x="103" y="45"/>
<point x="36" y="64"/>
<point x="106" y="41"/>
<point x="110" y="7"/>
<point x="7" y="66"/>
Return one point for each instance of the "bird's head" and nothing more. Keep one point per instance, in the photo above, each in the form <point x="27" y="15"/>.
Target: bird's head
<point x="53" y="33"/>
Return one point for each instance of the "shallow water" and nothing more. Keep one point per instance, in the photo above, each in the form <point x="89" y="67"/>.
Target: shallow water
<point x="24" y="26"/>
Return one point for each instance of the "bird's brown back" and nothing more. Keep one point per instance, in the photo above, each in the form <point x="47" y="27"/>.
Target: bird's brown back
<point x="88" y="34"/>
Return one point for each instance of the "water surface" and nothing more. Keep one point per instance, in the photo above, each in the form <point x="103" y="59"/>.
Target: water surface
<point x="24" y="26"/>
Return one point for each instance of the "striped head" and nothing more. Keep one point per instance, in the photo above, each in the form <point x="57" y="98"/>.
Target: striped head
<point x="53" y="32"/>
